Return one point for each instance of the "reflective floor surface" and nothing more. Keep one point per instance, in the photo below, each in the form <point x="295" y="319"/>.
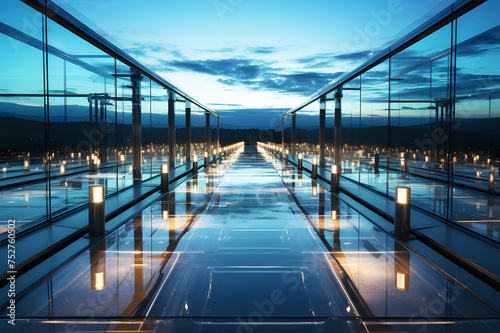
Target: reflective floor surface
<point x="241" y="249"/>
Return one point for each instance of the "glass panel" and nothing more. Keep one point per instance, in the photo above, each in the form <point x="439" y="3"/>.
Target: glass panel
<point x="198" y="144"/>
<point x="124" y="145"/>
<point x="22" y="116"/>
<point x="476" y="153"/>
<point x="159" y="127"/>
<point x="350" y="122"/>
<point x="180" y="133"/>
<point x="420" y="108"/>
<point x="81" y="90"/>
<point x="147" y="147"/>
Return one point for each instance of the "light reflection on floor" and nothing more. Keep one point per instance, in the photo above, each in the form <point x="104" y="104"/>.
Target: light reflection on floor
<point x="235" y="251"/>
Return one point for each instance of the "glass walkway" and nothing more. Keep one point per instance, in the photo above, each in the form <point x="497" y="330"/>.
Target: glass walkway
<point x="250" y="246"/>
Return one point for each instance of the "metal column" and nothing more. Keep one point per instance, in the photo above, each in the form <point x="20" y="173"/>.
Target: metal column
<point x="282" y="136"/>
<point x="188" y="131"/>
<point x="294" y="133"/>
<point x="338" y="134"/>
<point x="218" y="134"/>
<point x="171" y="129"/>
<point x="135" y="79"/>
<point x="208" y="137"/>
<point x="322" y="125"/>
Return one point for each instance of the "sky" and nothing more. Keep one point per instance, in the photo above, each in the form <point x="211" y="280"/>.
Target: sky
<point x="252" y="59"/>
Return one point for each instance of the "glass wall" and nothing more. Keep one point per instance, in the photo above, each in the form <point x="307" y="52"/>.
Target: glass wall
<point x="71" y="115"/>
<point x="424" y="117"/>
<point x="198" y="143"/>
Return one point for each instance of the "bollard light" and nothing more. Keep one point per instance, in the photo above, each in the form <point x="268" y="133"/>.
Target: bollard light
<point x="97" y="218"/>
<point x="195" y="164"/>
<point x="299" y="165"/>
<point x="72" y="155"/>
<point x="164" y="178"/>
<point x="26" y="165"/>
<point x="206" y="159"/>
<point x="334" y="183"/>
<point x="314" y="171"/>
<point x="402" y="212"/>
<point x="164" y="215"/>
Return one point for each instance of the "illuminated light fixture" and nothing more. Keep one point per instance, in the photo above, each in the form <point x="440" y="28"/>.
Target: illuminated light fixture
<point x="402" y="212"/>
<point x="314" y="171"/>
<point x="79" y="155"/>
<point x="314" y="190"/>
<point x="426" y="159"/>
<point x="4" y="169"/>
<point x="206" y="160"/>
<point x="26" y="165"/>
<point x="97" y="218"/>
<point x="99" y="281"/>
<point x="299" y="165"/>
<point x="335" y="179"/>
<point x="72" y="155"/>
<point x="195" y="189"/>
<point x="165" y="215"/>
<point x="62" y="169"/>
<point x="401" y="281"/>
<point x="334" y="215"/>
<point x="122" y="158"/>
<point x="164" y="178"/>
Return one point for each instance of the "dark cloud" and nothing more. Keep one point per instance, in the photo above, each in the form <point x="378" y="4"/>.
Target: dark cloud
<point x="145" y="49"/>
<point x="262" y="49"/>
<point x="322" y="60"/>
<point x="239" y="69"/>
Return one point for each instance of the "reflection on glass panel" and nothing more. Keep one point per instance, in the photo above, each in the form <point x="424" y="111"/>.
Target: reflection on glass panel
<point x="159" y="127"/>
<point x="79" y="98"/>
<point x="307" y="129"/>
<point x="420" y="111"/>
<point x="287" y="128"/>
<point x="351" y="132"/>
<point x="124" y="144"/>
<point x="213" y="132"/>
<point x="198" y="129"/>
<point x="22" y="128"/>
<point x="180" y="133"/>
<point x="147" y="147"/>
<point x="330" y="129"/>
<point x="476" y="151"/>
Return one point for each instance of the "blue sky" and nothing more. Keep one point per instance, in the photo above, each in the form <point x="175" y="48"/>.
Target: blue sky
<point x="260" y="56"/>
